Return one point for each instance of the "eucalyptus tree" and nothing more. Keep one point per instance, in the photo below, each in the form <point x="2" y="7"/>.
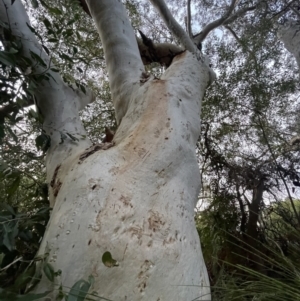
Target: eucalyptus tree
<point x="123" y="211"/>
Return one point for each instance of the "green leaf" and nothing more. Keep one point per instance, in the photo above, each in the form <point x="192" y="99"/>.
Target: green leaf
<point x="68" y="33"/>
<point x="65" y="57"/>
<point x="46" y="49"/>
<point x="8" y="59"/>
<point x="79" y="291"/>
<point x="47" y="23"/>
<point x="44" y="4"/>
<point x="38" y="59"/>
<point x="13" y="50"/>
<point x="53" y="40"/>
<point x="49" y="271"/>
<point x="10" y="232"/>
<point x="55" y="10"/>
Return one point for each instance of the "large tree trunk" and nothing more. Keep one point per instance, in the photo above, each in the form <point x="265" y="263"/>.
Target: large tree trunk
<point x="136" y="198"/>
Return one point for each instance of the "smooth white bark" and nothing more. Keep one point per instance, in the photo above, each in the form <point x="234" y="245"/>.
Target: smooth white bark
<point x="124" y="63"/>
<point x="289" y="34"/>
<point x="137" y="198"/>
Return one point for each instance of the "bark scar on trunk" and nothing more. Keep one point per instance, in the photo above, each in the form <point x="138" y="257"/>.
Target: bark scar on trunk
<point x="56" y="183"/>
<point x="52" y="183"/>
<point x="56" y="188"/>
<point x="94" y="148"/>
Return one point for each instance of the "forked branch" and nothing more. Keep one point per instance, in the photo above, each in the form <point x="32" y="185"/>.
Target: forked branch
<point x="226" y="19"/>
<point x="173" y="25"/>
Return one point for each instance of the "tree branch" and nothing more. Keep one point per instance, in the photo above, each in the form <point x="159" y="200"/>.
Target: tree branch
<point x="124" y="64"/>
<point x="281" y="12"/>
<point x="224" y="20"/>
<point x="238" y="14"/>
<point x="173" y="25"/>
<point x="189" y="19"/>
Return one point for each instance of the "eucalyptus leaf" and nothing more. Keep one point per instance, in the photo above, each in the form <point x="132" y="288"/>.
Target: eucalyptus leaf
<point x="79" y="291"/>
<point x="49" y="271"/>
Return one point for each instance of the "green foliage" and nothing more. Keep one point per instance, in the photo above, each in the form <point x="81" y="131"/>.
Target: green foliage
<point x="20" y="236"/>
<point x="241" y="268"/>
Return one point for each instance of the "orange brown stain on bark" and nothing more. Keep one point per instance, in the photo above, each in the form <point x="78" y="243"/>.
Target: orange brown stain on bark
<point x="143" y="143"/>
<point x="152" y="124"/>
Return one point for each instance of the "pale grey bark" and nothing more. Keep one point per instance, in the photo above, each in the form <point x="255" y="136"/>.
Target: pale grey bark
<point x="134" y="198"/>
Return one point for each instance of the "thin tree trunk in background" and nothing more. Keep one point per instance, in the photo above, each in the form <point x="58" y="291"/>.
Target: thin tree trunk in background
<point x="289" y="34"/>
